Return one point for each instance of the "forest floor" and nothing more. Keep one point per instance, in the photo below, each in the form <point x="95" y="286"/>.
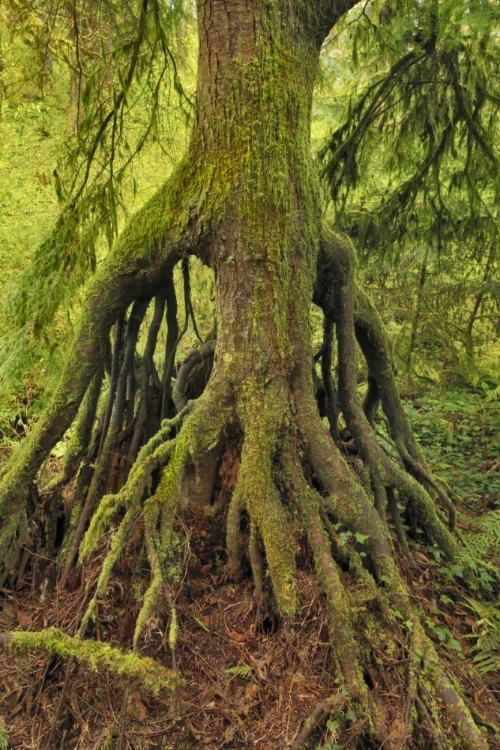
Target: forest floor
<point x="248" y="680"/>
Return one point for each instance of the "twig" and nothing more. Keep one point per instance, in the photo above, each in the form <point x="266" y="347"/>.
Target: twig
<point x="310" y="724"/>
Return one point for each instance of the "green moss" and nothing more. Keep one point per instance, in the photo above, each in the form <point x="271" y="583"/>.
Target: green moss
<point x="149" y="604"/>
<point x="173" y="630"/>
<point x="199" y="434"/>
<point x="96" y="656"/>
<point x="130" y="496"/>
<point x="233" y="534"/>
<point x="82" y="430"/>
<point x="262" y="413"/>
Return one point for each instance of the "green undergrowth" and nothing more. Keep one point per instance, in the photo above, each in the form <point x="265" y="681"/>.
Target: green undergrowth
<point x="459" y="431"/>
<point x="31" y="137"/>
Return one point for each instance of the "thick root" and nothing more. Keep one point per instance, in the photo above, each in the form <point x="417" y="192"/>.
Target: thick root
<point x="203" y="425"/>
<point x="336" y="293"/>
<point x="261" y="413"/>
<point x="339" y="605"/>
<point x="349" y="505"/>
<point x="94" y="655"/>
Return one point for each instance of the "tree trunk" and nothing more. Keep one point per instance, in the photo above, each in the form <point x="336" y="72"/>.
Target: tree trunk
<point x="256" y="75"/>
<point x="246" y="201"/>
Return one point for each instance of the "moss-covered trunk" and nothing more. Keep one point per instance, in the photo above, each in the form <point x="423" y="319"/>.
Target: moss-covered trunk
<point x="256" y="75"/>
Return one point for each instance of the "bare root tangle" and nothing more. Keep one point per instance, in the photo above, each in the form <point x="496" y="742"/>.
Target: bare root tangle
<point x="201" y="431"/>
<point x="290" y="467"/>
<point x="153" y="456"/>
<point x="392" y="505"/>
<point x="117" y="409"/>
<point x="155" y="238"/>
<point x="148" y="378"/>
<point x="348" y="504"/>
<point x="117" y="398"/>
<point x="338" y="302"/>
<point x="109" y="436"/>
<point x="347" y="500"/>
<point x="202" y="428"/>
<point x="188" y="303"/>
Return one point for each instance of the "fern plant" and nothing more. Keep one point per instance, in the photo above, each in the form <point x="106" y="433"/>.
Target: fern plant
<point x="486" y="541"/>
<point x="487" y="634"/>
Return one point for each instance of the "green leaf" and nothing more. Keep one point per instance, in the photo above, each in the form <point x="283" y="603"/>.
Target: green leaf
<point x="361" y="538"/>
<point x="445" y="599"/>
<point x="241" y="670"/>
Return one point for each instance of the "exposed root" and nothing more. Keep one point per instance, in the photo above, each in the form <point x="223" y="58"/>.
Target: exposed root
<point x="157" y="236"/>
<point x="202" y="428"/>
<point x="94" y="655"/>
<point x="338" y="603"/>
<point x="347" y="501"/>
<point x="79" y="442"/>
<point x="148" y="379"/>
<point x="261" y="414"/>
<point x="384" y="472"/>
<point x="355" y="511"/>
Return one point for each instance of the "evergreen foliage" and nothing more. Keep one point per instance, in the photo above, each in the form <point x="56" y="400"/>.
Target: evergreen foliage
<point x="424" y="115"/>
<point x="412" y="169"/>
<point x="120" y="67"/>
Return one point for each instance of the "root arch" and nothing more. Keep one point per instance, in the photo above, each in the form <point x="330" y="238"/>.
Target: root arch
<point x="160" y="234"/>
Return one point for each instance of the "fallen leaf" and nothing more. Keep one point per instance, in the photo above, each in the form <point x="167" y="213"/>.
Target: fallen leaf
<point x="24" y="619"/>
<point x="136" y="707"/>
<point x="238" y="637"/>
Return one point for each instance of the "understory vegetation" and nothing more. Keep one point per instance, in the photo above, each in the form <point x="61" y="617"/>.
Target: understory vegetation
<point x="250" y="375"/>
